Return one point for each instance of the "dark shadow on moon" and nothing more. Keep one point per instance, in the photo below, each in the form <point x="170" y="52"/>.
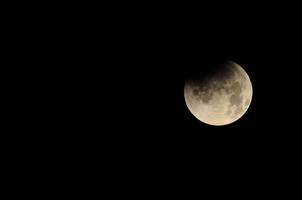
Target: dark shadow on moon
<point x="203" y="90"/>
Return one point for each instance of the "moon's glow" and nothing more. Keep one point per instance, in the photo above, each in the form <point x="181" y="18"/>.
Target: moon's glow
<point x="221" y="97"/>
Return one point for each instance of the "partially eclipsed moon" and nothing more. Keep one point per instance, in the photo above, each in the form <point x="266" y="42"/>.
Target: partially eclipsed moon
<point x="221" y="97"/>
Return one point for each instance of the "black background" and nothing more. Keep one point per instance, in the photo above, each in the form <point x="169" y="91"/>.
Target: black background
<point x="150" y="56"/>
<point x="140" y="59"/>
<point x="105" y="87"/>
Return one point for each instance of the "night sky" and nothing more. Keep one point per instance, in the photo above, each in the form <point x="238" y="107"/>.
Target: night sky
<point x="157" y="55"/>
<point x="98" y="96"/>
<point x="114" y="89"/>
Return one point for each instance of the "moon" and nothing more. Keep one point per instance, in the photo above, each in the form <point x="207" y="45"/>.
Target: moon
<point x="220" y="97"/>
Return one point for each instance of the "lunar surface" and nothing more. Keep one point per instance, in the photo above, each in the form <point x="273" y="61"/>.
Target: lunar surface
<point x="221" y="97"/>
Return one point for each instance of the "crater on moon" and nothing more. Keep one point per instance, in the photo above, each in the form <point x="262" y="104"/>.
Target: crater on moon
<point x="236" y="87"/>
<point x="196" y="92"/>
<point x="207" y="96"/>
<point x="235" y="100"/>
